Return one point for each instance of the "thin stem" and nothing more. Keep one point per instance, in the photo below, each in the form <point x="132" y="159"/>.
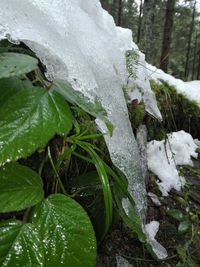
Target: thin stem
<point x="56" y="173"/>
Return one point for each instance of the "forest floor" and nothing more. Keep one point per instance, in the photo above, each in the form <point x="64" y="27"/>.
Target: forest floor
<point x="179" y="230"/>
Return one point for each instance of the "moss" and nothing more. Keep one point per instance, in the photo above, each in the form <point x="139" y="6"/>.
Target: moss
<point x="136" y="114"/>
<point x="179" y="113"/>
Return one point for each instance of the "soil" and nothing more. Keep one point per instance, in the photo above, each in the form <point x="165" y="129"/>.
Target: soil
<point x="183" y="248"/>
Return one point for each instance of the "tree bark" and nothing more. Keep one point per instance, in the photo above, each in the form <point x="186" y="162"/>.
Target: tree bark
<point x="189" y="42"/>
<point x="119" y="21"/>
<point x="194" y="56"/>
<point x="147" y="38"/>
<point x="140" y="22"/>
<point x="198" y="69"/>
<point x="167" y="37"/>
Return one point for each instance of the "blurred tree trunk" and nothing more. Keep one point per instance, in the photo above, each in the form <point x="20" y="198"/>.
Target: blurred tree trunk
<point x="140" y="22"/>
<point x="189" y="42"/>
<point x="146" y="39"/>
<point x="167" y="37"/>
<point x="120" y="8"/>
<point x="198" y="69"/>
<point x="194" y="57"/>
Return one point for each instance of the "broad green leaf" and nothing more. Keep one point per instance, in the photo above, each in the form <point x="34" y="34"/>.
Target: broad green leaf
<point x="29" y="119"/>
<point x="8" y="232"/>
<point x="11" y="86"/>
<point x="66" y="232"/>
<point x="77" y="98"/>
<point x="183" y="227"/>
<point x="176" y="214"/>
<point x="24" y="248"/>
<point x="14" y="64"/>
<point x="20" y="188"/>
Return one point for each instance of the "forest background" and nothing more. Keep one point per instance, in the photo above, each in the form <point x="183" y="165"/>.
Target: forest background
<point x="167" y="31"/>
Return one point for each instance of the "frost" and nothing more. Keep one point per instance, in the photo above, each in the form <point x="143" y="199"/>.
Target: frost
<point x="165" y="155"/>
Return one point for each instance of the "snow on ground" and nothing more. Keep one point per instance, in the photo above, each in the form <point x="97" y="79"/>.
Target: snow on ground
<point x="151" y="231"/>
<point x="164" y="157"/>
<point x="190" y="89"/>
<point x="154" y="198"/>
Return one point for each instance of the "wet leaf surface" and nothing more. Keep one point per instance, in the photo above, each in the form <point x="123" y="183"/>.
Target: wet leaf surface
<point x="26" y="249"/>
<point x="66" y="231"/>
<point x="14" y="64"/>
<point x="20" y="188"/>
<point x="28" y="119"/>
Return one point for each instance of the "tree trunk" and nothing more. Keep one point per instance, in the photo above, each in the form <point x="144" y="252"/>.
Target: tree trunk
<point x="198" y="69"/>
<point x="167" y="37"/>
<point x="140" y="22"/>
<point x="146" y="39"/>
<point x="194" y="56"/>
<point x="119" y="21"/>
<point x="189" y="42"/>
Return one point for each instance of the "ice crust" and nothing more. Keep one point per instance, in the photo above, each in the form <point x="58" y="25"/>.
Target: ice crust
<point x="79" y="43"/>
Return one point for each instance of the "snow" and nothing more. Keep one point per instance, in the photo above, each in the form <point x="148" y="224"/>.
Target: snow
<point x="164" y="157"/>
<point x="151" y="231"/>
<point x="138" y="85"/>
<point x="121" y="262"/>
<point x="190" y="89"/>
<point x="154" y="198"/>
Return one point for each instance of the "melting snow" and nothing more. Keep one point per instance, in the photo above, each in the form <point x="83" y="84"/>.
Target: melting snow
<point x="164" y="156"/>
<point x="190" y="89"/>
<point x="151" y="231"/>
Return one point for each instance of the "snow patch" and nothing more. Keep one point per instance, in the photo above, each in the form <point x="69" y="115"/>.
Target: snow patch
<point x="190" y="89"/>
<point x="154" y="198"/>
<point x="151" y="231"/>
<point x="121" y="262"/>
<point x="164" y="157"/>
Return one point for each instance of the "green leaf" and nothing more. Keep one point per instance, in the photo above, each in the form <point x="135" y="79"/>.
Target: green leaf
<point x="66" y="231"/>
<point x="77" y="98"/>
<point x="176" y="214"/>
<point x="20" y="188"/>
<point x="191" y="263"/>
<point x="29" y="119"/>
<point x="87" y="183"/>
<point x="183" y="227"/>
<point x="99" y="164"/>
<point x="25" y="248"/>
<point x="127" y="211"/>
<point x="9" y="87"/>
<point x="8" y="232"/>
<point x="13" y="64"/>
